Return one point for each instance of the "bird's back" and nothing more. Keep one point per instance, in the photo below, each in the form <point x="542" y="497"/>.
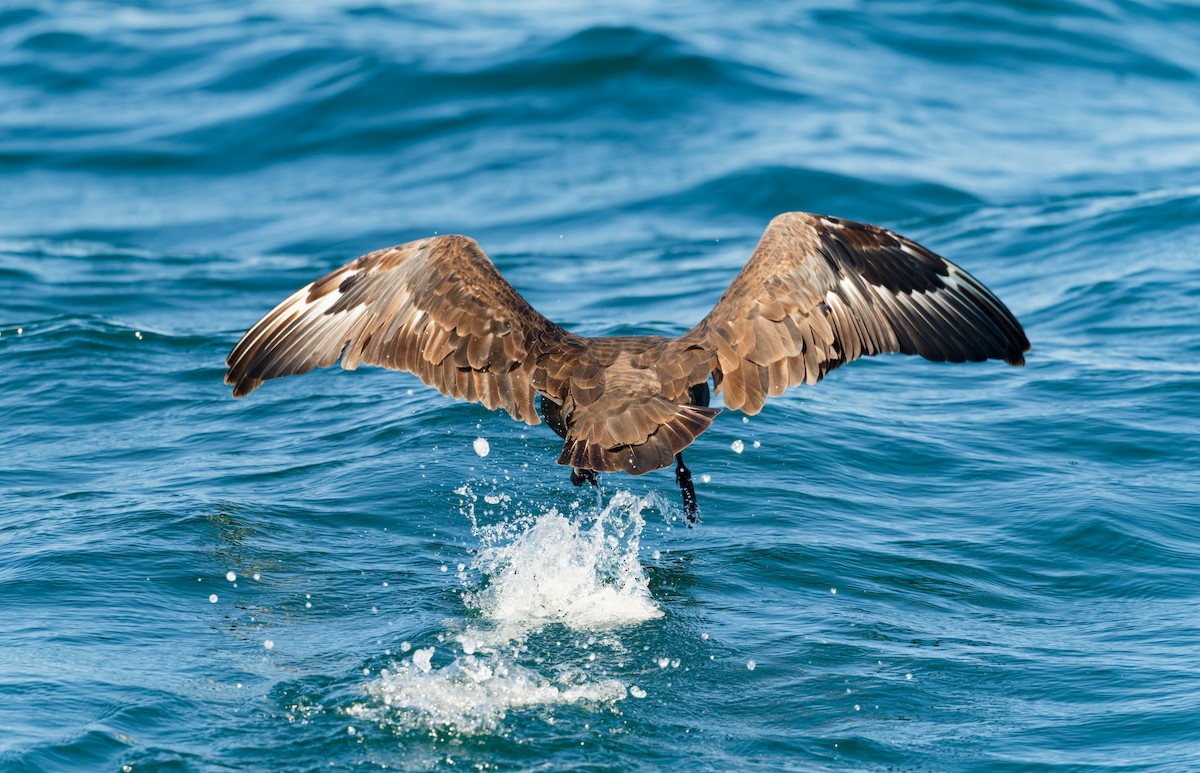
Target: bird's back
<point x="625" y="402"/>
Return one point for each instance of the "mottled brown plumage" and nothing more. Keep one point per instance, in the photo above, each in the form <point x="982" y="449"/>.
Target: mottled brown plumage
<point x="817" y="292"/>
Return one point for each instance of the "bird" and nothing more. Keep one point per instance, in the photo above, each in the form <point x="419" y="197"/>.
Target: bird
<point x="817" y="292"/>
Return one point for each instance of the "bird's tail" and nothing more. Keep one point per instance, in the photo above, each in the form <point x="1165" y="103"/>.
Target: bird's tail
<point x="667" y="429"/>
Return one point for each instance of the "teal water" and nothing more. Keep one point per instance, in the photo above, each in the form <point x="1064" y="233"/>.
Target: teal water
<point x="1014" y="551"/>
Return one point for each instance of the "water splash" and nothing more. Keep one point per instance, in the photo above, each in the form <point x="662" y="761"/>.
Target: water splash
<point x="553" y="568"/>
<point x="533" y="570"/>
<point x="474" y="693"/>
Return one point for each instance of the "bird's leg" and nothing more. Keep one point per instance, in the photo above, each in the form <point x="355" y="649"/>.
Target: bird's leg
<point x="579" y="476"/>
<point x="683" y="476"/>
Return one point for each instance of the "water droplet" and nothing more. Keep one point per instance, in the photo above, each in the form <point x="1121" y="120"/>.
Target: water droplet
<point x="750" y="664"/>
<point x="212" y="599"/>
<point x="422" y="659"/>
<point x="481" y="446"/>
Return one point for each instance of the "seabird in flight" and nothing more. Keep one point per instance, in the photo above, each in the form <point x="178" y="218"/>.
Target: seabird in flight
<point x="818" y="292"/>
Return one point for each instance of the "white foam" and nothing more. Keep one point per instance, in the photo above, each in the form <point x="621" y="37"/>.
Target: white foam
<point x="473" y="694"/>
<point x="561" y="570"/>
<point x="531" y="571"/>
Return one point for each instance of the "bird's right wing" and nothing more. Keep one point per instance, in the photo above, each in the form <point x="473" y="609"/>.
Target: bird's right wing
<point x="436" y="307"/>
<point x="819" y="292"/>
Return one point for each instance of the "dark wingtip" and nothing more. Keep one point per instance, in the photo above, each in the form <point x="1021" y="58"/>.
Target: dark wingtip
<point x="1016" y="354"/>
<point x="243" y="387"/>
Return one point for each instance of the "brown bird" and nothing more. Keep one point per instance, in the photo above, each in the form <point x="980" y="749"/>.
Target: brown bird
<point x="817" y="292"/>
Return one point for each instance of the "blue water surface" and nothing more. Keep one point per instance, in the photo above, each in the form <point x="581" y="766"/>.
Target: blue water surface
<point x="910" y="566"/>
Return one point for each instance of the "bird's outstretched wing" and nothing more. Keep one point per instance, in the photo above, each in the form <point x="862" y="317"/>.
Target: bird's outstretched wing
<point x="819" y="292"/>
<point x="436" y="307"/>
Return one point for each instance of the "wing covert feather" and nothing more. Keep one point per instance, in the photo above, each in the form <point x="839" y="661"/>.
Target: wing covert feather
<point x="435" y="307"/>
<point x="820" y="291"/>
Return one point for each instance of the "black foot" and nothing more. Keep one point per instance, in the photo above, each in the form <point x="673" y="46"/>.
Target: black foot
<point x="580" y="476"/>
<point x="683" y="476"/>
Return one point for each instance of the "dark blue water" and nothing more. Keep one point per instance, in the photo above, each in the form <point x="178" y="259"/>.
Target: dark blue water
<point x="928" y="567"/>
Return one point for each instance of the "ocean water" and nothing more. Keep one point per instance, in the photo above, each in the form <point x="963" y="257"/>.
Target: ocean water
<point x="909" y="566"/>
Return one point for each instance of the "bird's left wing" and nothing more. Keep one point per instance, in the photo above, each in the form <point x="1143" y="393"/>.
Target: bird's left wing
<point x="435" y="307"/>
<point x="820" y="291"/>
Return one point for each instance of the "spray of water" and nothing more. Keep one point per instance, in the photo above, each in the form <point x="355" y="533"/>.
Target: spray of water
<point x="557" y="569"/>
<point x="534" y="570"/>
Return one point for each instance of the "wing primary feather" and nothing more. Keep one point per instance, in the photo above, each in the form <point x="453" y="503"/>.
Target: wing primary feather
<point x="409" y="307"/>
<point x="841" y="290"/>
